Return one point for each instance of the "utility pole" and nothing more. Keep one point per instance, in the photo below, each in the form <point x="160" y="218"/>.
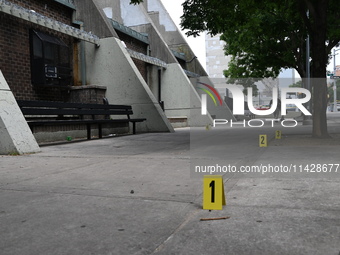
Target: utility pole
<point x="307" y="119"/>
<point x="335" y="106"/>
<point x="259" y="99"/>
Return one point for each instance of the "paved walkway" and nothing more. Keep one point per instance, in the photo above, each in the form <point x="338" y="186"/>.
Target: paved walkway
<point x="138" y="195"/>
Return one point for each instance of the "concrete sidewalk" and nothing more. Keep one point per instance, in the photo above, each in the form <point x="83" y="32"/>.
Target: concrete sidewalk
<point x="135" y="195"/>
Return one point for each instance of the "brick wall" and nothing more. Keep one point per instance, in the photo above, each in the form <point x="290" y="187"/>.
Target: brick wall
<point x="136" y="45"/>
<point x="15" y="49"/>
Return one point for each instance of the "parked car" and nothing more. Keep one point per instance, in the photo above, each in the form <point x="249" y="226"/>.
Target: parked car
<point x="291" y="107"/>
<point x="331" y="107"/>
<point x="263" y="107"/>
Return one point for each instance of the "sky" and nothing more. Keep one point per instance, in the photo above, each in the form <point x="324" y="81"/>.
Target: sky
<point x="175" y="9"/>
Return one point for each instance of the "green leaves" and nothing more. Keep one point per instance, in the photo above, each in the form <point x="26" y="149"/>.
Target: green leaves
<point x="136" y="1"/>
<point x="261" y="36"/>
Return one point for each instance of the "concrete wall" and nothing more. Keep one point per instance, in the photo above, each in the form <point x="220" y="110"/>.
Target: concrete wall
<point x="110" y="65"/>
<point x="171" y="35"/>
<point x="164" y="20"/>
<point x="158" y="47"/>
<point x="137" y="18"/>
<point x="124" y="12"/>
<point x="114" y="5"/>
<point x="94" y="19"/>
<point x="153" y="80"/>
<point x="180" y="97"/>
<point x="131" y="14"/>
<point x="15" y="135"/>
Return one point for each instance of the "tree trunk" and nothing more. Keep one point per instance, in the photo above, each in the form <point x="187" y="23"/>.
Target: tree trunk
<point x="319" y="56"/>
<point x="319" y="86"/>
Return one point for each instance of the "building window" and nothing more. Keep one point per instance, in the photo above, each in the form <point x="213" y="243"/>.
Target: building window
<point x="50" y="60"/>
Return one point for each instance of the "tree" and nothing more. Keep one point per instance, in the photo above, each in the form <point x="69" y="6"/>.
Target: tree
<point x="265" y="36"/>
<point x="266" y="41"/>
<point x="297" y="84"/>
<point x="136" y="1"/>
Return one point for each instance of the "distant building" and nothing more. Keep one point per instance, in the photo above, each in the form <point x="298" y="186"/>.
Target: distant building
<point x="216" y="60"/>
<point x="337" y="70"/>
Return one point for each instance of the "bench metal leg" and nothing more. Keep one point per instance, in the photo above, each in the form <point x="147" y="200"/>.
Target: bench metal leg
<point x="134" y="127"/>
<point x="88" y="131"/>
<point x="100" y="133"/>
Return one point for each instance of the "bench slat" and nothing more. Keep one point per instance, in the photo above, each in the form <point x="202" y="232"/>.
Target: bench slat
<point x="61" y="122"/>
<point x="53" y="104"/>
<point x="48" y="112"/>
<point x="68" y="122"/>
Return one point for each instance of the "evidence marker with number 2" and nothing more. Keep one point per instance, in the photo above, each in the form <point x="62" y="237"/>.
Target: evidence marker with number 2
<point x="263" y="140"/>
<point x="213" y="192"/>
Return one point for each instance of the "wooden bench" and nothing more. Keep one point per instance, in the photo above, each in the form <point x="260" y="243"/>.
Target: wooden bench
<point x="44" y="113"/>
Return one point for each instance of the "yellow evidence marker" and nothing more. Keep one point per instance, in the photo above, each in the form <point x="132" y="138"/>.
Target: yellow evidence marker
<point x="278" y="134"/>
<point x="263" y="140"/>
<point x="213" y="192"/>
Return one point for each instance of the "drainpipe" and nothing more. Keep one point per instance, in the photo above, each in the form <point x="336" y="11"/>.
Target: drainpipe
<point x="82" y="62"/>
<point x="82" y="50"/>
<point x="148" y="68"/>
<point x="160" y="88"/>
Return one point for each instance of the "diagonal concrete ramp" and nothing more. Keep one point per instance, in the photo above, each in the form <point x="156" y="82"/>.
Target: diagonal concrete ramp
<point x="110" y="65"/>
<point x="15" y="135"/>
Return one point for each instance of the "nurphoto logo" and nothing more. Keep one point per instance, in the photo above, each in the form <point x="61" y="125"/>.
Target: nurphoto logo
<point x="238" y="104"/>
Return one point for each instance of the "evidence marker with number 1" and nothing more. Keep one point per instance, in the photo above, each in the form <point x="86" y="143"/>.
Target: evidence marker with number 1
<point x="213" y="192"/>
